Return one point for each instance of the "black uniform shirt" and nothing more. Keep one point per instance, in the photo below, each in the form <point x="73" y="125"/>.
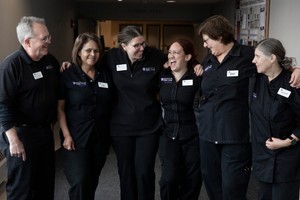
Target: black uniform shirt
<point x="223" y="110"/>
<point x="177" y="100"/>
<point x="28" y="90"/>
<point x="275" y="112"/>
<point x="87" y="104"/>
<point x="136" y="109"/>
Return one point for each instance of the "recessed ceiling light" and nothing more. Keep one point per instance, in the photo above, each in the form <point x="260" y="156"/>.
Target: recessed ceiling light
<point x="120" y="0"/>
<point x="171" y="1"/>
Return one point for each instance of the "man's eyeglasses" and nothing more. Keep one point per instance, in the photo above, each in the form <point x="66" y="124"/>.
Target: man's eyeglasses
<point x="139" y="45"/>
<point x="46" y="39"/>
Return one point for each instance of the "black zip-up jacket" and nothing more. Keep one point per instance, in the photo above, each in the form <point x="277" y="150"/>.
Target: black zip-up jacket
<point x="136" y="109"/>
<point x="177" y="100"/>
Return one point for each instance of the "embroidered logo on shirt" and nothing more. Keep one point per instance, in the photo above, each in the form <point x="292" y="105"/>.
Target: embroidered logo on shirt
<point x="283" y="92"/>
<point x="207" y="68"/>
<point x="79" y="83"/>
<point x="166" y="80"/>
<point x="148" y="69"/>
<point x="49" y="67"/>
<point x="121" y="67"/>
<point x="232" y="73"/>
<point x="102" y="85"/>
<point x="188" y="82"/>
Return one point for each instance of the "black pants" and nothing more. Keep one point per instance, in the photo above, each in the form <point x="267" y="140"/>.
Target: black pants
<point x="180" y="167"/>
<point x="279" y="191"/>
<point x="82" y="168"/>
<point x="136" y="158"/>
<point x="34" y="178"/>
<point x="226" y="170"/>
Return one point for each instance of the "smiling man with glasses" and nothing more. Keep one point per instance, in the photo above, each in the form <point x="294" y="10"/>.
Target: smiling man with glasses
<point x="28" y="97"/>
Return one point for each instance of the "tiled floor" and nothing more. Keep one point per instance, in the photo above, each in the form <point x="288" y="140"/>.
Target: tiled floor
<point x="2" y="191"/>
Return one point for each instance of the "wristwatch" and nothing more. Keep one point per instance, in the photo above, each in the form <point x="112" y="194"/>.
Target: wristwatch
<point x="293" y="140"/>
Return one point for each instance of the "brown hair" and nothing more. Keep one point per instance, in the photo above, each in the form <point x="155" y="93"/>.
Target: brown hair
<point x="128" y="33"/>
<point x="217" y="27"/>
<point x="82" y="39"/>
<point x="188" y="48"/>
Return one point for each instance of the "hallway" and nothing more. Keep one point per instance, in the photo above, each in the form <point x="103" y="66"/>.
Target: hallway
<point x="108" y="188"/>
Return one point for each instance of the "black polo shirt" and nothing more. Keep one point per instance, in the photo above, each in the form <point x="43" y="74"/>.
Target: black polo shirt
<point x="136" y="109"/>
<point x="28" y="90"/>
<point x="87" y="104"/>
<point x="223" y="110"/>
<point x="177" y="100"/>
<point x="275" y="112"/>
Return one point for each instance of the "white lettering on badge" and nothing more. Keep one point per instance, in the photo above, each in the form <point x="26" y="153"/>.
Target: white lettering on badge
<point x="37" y="75"/>
<point x="283" y="92"/>
<point x="121" y="67"/>
<point x="188" y="82"/>
<point x="232" y="73"/>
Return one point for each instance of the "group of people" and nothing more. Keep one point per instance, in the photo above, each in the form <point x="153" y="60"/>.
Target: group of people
<point x="242" y="112"/>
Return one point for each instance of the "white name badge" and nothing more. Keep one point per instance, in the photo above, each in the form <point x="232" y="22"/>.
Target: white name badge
<point x="232" y="73"/>
<point x="102" y="85"/>
<point x="283" y="92"/>
<point x="122" y="67"/>
<point x="187" y="82"/>
<point x="37" y="75"/>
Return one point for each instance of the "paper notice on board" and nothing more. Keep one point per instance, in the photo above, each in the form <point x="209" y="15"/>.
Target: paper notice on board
<point x="244" y="21"/>
<point x="262" y="18"/>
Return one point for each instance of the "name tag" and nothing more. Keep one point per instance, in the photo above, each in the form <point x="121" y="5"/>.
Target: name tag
<point x="283" y="92"/>
<point x="102" y="85"/>
<point x="232" y="73"/>
<point x="37" y="75"/>
<point x="188" y="82"/>
<point x="122" y="67"/>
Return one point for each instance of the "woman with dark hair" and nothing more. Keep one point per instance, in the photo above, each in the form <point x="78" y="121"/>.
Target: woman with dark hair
<point x="136" y="117"/>
<point x="83" y="113"/>
<point x="225" y="148"/>
<point x="275" y="115"/>
<point x="179" y="143"/>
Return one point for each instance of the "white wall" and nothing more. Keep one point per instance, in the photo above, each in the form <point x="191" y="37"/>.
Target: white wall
<point x="285" y="25"/>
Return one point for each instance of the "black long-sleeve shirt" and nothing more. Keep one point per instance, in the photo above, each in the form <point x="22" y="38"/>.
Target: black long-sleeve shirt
<point x="28" y="90"/>
<point x="177" y="100"/>
<point x="275" y="112"/>
<point x="136" y="109"/>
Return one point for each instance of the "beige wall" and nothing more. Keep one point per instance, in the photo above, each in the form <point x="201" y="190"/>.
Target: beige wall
<point x="57" y="14"/>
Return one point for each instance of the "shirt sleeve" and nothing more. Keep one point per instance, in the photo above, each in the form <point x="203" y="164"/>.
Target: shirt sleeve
<point x="8" y="95"/>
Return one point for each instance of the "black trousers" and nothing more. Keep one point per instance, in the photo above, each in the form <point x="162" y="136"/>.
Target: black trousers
<point x="136" y="159"/>
<point x="82" y="168"/>
<point x="226" y="170"/>
<point x="279" y="191"/>
<point x="180" y="169"/>
<point x="34" y="178"/>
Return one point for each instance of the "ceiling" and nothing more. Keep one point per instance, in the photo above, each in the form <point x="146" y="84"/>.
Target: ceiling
<point x="154" y="1"/>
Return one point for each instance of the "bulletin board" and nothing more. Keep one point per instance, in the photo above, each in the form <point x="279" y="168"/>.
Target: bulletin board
<point x="252" y="21"/>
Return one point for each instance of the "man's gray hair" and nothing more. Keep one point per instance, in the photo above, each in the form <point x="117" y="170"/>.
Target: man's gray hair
<point x="24" y="28"/>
